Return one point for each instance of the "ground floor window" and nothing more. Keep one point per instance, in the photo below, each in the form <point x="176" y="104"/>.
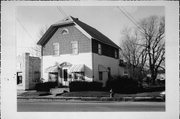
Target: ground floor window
<point x="100" y="75"/>
<point x="53" y="76"/>
<point x="19" y="78"/>
<point x="78" y="76"/>
<point x="65" y="75"/>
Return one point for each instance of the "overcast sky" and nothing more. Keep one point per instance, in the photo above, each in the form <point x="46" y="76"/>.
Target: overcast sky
<point x="107" y="19"/>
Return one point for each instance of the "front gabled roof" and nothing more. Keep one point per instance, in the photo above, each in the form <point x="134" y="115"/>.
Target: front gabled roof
<point x="95" y="34"/>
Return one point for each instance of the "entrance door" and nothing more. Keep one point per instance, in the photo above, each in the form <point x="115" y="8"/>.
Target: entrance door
<point x="65" y="75"/>
<point x="19" y="78"/>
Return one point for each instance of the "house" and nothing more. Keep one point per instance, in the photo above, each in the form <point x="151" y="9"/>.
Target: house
<point x="28" y="71"/>
<point x="73" y="50"/>
<point x="160" y="78"/>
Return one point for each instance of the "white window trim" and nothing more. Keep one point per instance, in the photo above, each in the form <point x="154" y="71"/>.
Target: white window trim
<point x="76" y="49"/>
<point x="54" y="44"/>
<point x="115" y="54"/>
<point x="99" y="49"/>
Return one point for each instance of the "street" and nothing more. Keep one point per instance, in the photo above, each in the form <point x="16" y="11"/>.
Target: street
<point x="84" y="106"/>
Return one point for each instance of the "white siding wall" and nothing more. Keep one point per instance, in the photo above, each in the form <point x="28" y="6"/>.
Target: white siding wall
<point x="82" y="58"/>
<point x="107" y="62"/>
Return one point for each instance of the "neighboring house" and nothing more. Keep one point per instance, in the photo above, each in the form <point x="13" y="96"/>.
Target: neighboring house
<point x="73" y="50"/>
<point x="28" y="71"/>
<point x="160" y="79"/>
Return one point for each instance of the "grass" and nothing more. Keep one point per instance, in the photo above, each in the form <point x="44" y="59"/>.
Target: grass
<point x="33" y="94"/>
<point x="107" y="94"/>
<point x="85" y="94"/>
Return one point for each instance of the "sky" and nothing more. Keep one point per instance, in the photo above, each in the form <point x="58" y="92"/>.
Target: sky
<point x="109" y="20"/>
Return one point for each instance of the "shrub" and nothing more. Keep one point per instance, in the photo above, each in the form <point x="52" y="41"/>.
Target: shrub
<point x="154" y="89"/>
<point x="85" y="86"/>
<point x="122" y="85"/>
<point x="45" y="86"/>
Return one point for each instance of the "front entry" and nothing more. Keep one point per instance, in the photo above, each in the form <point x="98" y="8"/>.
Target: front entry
<point x="64" y="77"/>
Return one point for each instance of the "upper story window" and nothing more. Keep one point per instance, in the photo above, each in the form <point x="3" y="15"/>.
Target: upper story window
<point x="65" y="31"/>
<point x="74" y="45"/>
<point x="99" y="49"/>
<point x="115" y="54"/>
<point x="56" y="48"/>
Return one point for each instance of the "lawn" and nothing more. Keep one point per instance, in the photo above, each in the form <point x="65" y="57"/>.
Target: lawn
<point x="58" y="93"/>
<point x="107" y="94"/>
<point x="33" y="94"/>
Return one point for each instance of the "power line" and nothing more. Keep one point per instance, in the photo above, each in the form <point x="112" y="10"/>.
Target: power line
<point x="131" y="19"/>
<point x="62" y="11"/>
<point x="29" y="48"/>
<point x="24" y="29"/>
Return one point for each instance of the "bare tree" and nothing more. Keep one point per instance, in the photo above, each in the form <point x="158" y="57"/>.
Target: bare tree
<point x="37" y="48"/>
<point x="134" y="54"/>
<point x="152" y="34"/>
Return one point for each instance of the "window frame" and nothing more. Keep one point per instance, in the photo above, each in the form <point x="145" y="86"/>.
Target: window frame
<point x="56" y="50"/>
<point x="115" y="54"/>
<point x="75" y="49"/>
<point x="99" y="49"/>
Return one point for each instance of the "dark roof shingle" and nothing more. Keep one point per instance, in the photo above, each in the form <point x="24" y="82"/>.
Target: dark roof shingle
<point x="90" y="30"/>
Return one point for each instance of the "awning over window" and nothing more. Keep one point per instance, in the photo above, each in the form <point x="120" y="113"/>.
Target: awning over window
<point x="77" y="68"/>
<point x="102" y="68"/>
<point x="52" y="69"/>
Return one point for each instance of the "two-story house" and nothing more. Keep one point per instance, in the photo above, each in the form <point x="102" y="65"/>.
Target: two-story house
<point x="73" y="50"/>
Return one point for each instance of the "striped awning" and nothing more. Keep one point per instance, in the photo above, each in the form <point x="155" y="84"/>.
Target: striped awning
<point x="52" y="69"/>
<point x="77" y="68"/>
<point x="102" y="68"/>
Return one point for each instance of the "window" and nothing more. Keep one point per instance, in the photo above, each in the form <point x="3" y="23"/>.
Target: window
<point x="56" y="48"/>
<point x="125" y="73"/>
<point x="53" y="77"/>
<point x="65" y="31"/>
<point x="100" y="75"/>
<point x="19" y="78"/>
<point x="74" y="45"/>
<point x="65" y="74"/>
<point x="115" y="54"/>
<point x="99" y="49"/>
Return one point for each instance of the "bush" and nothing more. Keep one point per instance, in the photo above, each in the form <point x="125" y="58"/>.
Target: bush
<point x="85" y="86"/>
<point x="122" y="85"/>
<point x="154" y="89"/>
<point x="45" y="86"/>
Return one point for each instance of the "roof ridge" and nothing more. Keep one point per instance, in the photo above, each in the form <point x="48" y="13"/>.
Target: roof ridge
<point x="93" y="32"/>
<point x="81" y="24"/>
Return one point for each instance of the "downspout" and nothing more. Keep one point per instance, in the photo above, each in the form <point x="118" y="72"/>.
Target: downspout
<point x="92" y="60"/>
<point x="41" y="62"/>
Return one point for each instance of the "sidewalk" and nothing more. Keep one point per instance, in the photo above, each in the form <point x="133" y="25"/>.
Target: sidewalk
<point x="56" y="95"/>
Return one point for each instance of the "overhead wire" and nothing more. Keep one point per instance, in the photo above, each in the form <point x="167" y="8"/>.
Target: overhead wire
<point x="30" y="36"/>
<point x="62" y="11"/>
<point x="131" y="19"/>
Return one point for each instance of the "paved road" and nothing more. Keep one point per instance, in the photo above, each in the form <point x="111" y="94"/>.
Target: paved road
<point x="71" y="106"/>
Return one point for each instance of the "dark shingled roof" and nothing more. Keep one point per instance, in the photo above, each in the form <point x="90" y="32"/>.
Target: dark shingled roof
<point x="90" y="30"/>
